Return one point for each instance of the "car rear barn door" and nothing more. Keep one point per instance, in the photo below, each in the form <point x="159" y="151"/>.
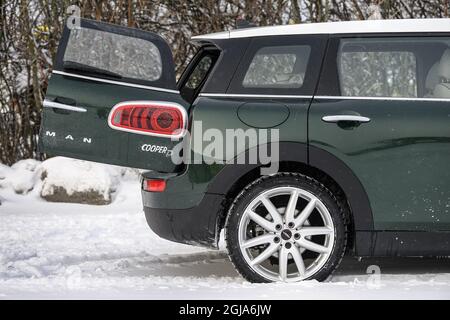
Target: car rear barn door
<point x="112" y="98"/>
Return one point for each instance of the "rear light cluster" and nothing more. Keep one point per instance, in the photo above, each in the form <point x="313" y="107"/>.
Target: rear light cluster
<point x="149" y="118"/>
<point x="154" y="185"/>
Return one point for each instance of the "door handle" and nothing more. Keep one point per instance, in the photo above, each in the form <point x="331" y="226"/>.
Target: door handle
<point x="348" y="118"/>
<point x="57" y="105"/>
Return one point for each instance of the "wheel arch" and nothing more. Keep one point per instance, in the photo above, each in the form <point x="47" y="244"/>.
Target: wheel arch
<point x="315" y="162"/>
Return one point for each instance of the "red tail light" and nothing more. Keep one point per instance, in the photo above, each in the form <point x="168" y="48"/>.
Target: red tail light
<point x="155" y="185"/>
<point x="165" y="119"/>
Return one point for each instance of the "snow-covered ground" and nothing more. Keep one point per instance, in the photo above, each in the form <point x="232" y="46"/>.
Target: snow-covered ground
<point x="68" y="251"/>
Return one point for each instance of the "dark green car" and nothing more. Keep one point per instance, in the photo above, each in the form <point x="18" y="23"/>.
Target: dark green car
<point x="302" y="142"/>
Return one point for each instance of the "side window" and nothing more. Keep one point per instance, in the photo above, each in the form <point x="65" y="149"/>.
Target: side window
<point x="277" y="67"/>
<point x="365" y="71"/>
<point x="197" y="72"/>
<point x="280" y="65"/>
<point x="200" y="72"/>
<point x="114" y="54"/>
<point x="390" y="67"/>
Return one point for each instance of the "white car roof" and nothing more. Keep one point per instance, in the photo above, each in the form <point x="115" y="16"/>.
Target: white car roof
<point x="343" y="27"/>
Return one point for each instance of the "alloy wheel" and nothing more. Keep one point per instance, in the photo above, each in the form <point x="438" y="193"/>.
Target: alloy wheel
<point x="286" y="234"/>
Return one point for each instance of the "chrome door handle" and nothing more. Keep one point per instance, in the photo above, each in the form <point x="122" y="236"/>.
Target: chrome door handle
<point x="57" y="105"/>
<point x="352" y="118"/>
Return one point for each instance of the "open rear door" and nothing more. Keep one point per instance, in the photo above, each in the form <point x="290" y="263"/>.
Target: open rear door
<point x="112" y="98"/>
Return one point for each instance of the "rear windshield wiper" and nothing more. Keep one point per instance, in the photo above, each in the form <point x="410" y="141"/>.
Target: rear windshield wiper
<point x="72" y="65"/>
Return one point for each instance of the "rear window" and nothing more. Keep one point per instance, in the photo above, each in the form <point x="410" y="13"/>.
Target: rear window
<point x="278" y="67"/>
<point x="126" y="56"/>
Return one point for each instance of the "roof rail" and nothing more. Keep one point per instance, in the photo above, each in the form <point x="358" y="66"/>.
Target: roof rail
<point x="242" y="24"/>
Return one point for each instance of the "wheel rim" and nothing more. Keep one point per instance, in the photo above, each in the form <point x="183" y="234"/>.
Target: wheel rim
<point x="286" y="234"/>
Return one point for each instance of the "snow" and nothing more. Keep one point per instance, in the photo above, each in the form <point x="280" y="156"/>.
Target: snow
<point x="20" y="177"/>
<point x="79" y="176"/>
<point x="69" y="251"/>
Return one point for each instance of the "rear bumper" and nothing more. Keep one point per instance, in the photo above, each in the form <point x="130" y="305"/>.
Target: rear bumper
<point x="195" y="226"/>
<point x="193" y="206"/>
<point x="184" y="212"/>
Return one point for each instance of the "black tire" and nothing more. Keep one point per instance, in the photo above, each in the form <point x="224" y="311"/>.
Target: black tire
<point x="262" y="184"/>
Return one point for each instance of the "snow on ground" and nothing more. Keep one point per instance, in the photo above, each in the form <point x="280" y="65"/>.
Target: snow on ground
<point x="68" y="251"/>
<point x="64" y="173"/>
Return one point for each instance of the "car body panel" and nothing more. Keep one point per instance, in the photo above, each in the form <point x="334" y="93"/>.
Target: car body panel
<point x="401" y="157"/>
<point x="221" y="113"/>
<point x="64" y="132"/>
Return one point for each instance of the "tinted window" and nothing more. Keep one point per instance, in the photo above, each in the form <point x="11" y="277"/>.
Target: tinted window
<point x="198" y="75"/>
<point x="406" y="67"/>
<point x="126" y="56"/>
<point x="365" y="69"/>
<point x="277" y="67"/>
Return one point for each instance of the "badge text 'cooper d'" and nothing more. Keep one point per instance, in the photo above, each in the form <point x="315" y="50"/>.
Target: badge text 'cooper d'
<point x="154" y="148"/>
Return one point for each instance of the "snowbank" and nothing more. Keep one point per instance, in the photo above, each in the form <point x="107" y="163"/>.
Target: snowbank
<point x="62" y="179"/>
<point x="21" y="177"/>
<point x="69" y="180"/>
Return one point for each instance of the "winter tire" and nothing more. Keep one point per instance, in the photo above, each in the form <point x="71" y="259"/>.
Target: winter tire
<point x="287" y="227"/>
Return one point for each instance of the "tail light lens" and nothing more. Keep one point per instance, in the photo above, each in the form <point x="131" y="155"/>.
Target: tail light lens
<point x="149" y="117"/>
<point x="154" y="185"/>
